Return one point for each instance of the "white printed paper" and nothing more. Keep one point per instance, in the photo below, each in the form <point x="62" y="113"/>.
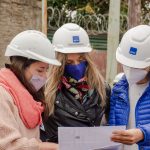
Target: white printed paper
<point x="88" y="138"/>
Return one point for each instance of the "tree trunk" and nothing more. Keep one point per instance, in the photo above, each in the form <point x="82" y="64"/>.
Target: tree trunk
<point x="134" y="13"/>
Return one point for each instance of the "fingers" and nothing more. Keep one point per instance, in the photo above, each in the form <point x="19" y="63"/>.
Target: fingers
<point x="122" y="136"/>
<point x="125" y="139"/>
<point x="130" y="136"/>
<point x="121" y="132"/>
<point x="127" y="142"/>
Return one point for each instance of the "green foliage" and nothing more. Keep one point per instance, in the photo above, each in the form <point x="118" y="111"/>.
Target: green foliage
<point x="145" y="6"/>
<point x="97" y="6"/>
<point x="69" y="4"/>
<point x="93" y="7"/>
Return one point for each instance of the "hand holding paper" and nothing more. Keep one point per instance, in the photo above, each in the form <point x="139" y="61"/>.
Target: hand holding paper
<point x="128" y="137"/>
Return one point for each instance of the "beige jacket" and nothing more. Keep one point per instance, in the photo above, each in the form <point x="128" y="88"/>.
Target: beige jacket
<point x="13" y="133"/>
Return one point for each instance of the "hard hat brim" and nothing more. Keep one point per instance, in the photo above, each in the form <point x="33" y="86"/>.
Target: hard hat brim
<point x="130" y="62"/>
<point x="11" y="51"/>
<point x="43" y="59"/>
<point x="68" y="50"/>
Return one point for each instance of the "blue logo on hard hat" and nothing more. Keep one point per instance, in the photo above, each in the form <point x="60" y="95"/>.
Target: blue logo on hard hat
<point x="76" y="39"/>
<point x="133" y="50"/>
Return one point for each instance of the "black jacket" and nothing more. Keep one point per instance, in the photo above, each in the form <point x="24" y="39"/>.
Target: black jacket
<point x="71" y="113"/>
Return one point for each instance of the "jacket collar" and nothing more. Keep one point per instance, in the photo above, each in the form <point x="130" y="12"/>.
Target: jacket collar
<point x="121" y="89"/>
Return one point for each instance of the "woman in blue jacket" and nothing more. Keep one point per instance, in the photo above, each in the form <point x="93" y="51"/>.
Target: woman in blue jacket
<point x="130" y="99"/>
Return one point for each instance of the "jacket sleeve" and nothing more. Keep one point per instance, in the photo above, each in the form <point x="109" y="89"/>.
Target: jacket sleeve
<point x="10" y="137"/>
<point x="146" y="131"/>
<point x="112" y="119"/>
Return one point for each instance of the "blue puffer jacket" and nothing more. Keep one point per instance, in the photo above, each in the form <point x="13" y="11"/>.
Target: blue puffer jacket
<point x="120" y="108"/>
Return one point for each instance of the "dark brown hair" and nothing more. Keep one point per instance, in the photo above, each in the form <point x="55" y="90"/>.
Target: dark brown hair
<point x="148" y="76"/>
<point x="18" y="65"/>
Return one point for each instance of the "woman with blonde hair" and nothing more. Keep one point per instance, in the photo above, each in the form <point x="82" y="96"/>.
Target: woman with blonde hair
<point x="77" y="88"/>
<point x="22" y="91"/>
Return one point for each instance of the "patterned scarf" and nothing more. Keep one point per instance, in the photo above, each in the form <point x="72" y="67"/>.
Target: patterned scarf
<point x="78" y="89"/>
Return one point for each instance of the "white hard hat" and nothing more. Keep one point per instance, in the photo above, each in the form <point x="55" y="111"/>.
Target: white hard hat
<point x="33" y="45"/>
<point x="118" y="77"/>
<point x="71" y="38"/>
<point x="134" y="49"/>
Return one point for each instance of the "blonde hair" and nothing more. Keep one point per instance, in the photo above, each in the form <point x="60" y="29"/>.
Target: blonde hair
<point x="93" y="75"/>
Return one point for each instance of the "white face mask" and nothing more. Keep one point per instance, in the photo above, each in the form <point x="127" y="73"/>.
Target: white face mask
<point x="134" y="75"/>
<point x="38" y="81"/>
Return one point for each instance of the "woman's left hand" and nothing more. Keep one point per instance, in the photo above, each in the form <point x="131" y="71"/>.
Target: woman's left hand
<point x="128" y="137"/>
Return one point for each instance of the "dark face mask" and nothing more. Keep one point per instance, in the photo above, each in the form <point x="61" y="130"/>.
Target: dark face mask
<point x="76" y="71"/>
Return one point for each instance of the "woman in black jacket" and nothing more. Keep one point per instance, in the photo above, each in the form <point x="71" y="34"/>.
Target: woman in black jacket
<point x="77" y="88"/>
